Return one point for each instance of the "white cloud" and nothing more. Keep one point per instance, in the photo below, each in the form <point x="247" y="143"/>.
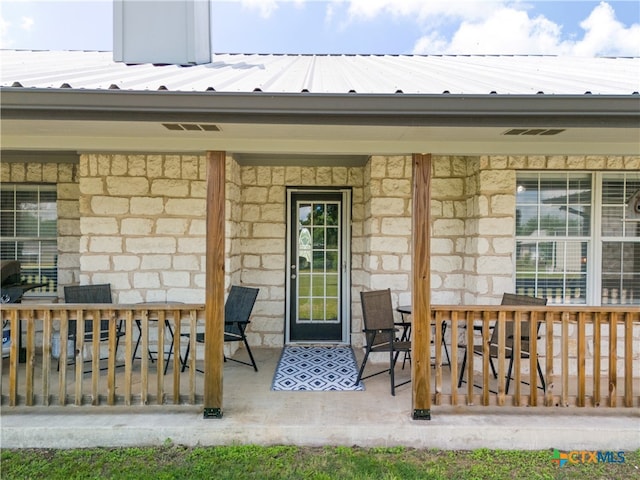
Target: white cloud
<point x="512" y="31"/>
<point x="26" y="23"/>
<point x="5" y="41"/>
<point x="423" y="9"/>
<point x="264" y="7"/>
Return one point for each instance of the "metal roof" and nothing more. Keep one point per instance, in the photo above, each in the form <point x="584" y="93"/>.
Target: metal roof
<point x="328" y="74"/>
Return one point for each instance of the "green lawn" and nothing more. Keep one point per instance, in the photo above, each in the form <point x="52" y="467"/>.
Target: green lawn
<point x="238" y="462"/>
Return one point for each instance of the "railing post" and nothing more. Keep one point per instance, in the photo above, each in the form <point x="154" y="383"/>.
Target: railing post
<point x="214" y="295"/>
<point x="421" y="289"/>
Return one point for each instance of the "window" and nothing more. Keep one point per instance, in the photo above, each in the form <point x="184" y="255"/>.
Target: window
<point x="575" y="239"/>
<point x="28" y="224"/>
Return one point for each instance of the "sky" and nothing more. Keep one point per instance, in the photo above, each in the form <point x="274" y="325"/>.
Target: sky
<point x="574" y="27"/>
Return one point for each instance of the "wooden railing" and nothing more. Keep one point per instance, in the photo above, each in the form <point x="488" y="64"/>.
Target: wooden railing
<point x="589" y="356"/>
<point x="92" y="374"/>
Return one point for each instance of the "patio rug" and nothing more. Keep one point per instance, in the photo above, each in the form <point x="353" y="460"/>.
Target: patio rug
<point x="314" y="368"/>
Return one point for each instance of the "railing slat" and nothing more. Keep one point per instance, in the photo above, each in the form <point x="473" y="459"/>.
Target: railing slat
<point x="177" y="327"/>
<point x="486" y="357"/>
<point x="470" y="355"/>
<point x="533" y="358"/>
<point x="128" y="356"/>
<point x="502" y="355"/>
<point x="596" y="358"/>
<point x="62" y="359"/>
<point x="144" y="356"/>
<point x="47" y="328"/>
<point x="78" y="354"/>
<point x="111" y="360"/>
<point x="95" y="356"/>
<point x="548" y="398"/>
<point x="582" y="346"/>
<point x="454" y="357"/>
<point x="31" y="357"/>
<point x="516" y="357"/>
<point x="160" y="358"/>
<point x="628" y="360"/>
<point x="14" y="326"/>
<point x="613" y="359"/>
<point x="192" y="371"/>
<point x="565" y="360"/>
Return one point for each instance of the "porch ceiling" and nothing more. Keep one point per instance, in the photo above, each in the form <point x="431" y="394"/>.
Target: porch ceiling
<point x="261" y="138"/>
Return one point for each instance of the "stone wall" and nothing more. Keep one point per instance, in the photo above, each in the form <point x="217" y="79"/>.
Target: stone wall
<point x="143" y="226"/>
<point x="65" y="176"/>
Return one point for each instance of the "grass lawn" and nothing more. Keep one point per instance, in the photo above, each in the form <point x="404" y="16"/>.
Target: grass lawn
<point x="283" y="462"/>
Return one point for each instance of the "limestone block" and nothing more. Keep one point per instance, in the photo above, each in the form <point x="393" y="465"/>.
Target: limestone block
<point x="448" y="227"/>
<point x="378" y="167"/>
<point x="251" y="261"/>
<point x="101" y="205"/>
<point x="198" y="189"/>
<point x="5" y="172"/>
<point x="146" y="280"/>
<point x="198" y="227"/>
<point x="387" y="206"/>
<point x="442" y="246"/>
<point x="187" y="207"/>
<point x="50" y="172"/>
<point x="454" y="281"/>
<point x="34" y="172"/>
<point x="576" y="162"/>
<point x="132" y="297"/>
<point x="68" y="191"/>
<point x="103" y="165"/>
<point x="268" y="230"/>
<point x="255" y="195"/>
<point x="632" y="163"/>
<point x="97" y="226"/>
<point x="170" y="187"/>
<point x="186" y="295"/>
<point x="257" y="277"/>
<point x="151" y="245"/>
<point x="496" y="226"/>
<point x="489" y="265"/>
<point x="273" y="262"/>
<point x="18" y="172"/>
<point x="595" y="163"/>
<point x="503" y="204"/>
<point x="517" y="162"/>
<point x="396" y="187"/>
<point x="537" y="162"/>
<point x="127" y="186"/>
<point x="118" y="281"/>
<point x="615" y="162"/>
<point x="446" y="264"/>
<point x="276" y="194"/>
<point x="497" y="181"/>
<point x="68" y="209"/>
<point x="272" y="212"/>
<point x="156" y="262"/>
<point x="503" y="245"/>
<point x="137" y="165"/>
<point x="105" y="244"/>
<point x="119" y="165"/>
<point x="293" y="175"/>
<point x="398" y="282"/>
<point x="260" y="246"/>
<point x="154" y="166"/>
<point x="308" y="175"/>
<point x="185" y="262"/>
<point x="390" y="263"/>
<point x="390" y="244"/>
<point x="126" y="263"/>
<point x="176" y="279"/>
<point x="355" y="177"/>
<point x="190" y="167"/>
<point x="92" y="186"/>
<point x="556" y="162"/>
<point x="277" y="176"/>
<point x="95" y="263"/>
<point x="172" y="166"/>
<point x="69" y="244"/>
<point x="171" y="226"/>
<point x="443" y="188"/>
<point x="192" y="245"/>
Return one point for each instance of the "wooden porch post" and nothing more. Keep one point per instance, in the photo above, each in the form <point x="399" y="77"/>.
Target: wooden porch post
<point x="214" y="299"/>
<point x="421" y="289"/>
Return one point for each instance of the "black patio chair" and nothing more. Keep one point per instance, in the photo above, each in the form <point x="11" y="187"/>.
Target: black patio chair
<point x="91" y="294"/>
<point x="508" y="299"/>
<point x="380" y="333"/>
<point x="237" y="311"/>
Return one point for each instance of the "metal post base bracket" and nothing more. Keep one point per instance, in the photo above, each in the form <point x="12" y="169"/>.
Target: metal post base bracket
<point x="212" y="413"/>
<point x="422" y="414"/>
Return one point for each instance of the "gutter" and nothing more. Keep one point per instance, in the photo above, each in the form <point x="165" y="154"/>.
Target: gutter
<point x="565" y="111"/>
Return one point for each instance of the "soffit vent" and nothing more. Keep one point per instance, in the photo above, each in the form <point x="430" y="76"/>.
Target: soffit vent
<point x="534" y="131"/>
<point x="192" y="127"/>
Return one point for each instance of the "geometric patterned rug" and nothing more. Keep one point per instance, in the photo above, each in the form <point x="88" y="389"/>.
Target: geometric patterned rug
<point x="313" y="368"/>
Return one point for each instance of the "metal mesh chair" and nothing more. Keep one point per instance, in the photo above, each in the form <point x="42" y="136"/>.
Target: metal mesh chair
<point x="237" y="311"/>
<point x="380" y="333"/>
<point x="508" y="299"/>
<point x="91" y="294"/>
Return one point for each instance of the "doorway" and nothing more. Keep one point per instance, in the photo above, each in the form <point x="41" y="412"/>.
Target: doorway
<point x="318" y="266"/>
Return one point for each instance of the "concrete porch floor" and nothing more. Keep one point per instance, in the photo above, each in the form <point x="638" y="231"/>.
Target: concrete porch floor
<point x="253" y="414"/>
